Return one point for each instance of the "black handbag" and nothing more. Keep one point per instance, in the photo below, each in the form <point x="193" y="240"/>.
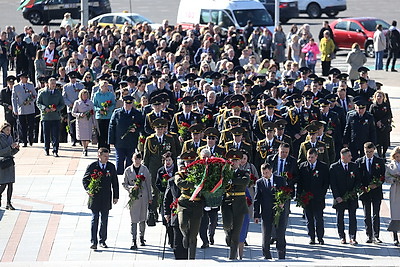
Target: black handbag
<point x="7" y="162"/>
<point x="151" y="218"/>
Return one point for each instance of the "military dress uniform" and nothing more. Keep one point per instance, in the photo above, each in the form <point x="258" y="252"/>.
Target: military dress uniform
<point x="319" y="145"/>
<point x="296" y="122"/>
<point x="242" y="145"/>
<point x="23" y="102"/>
<point x="191" y="145"/>
<point x="189" y="213"/>
<point x="234" y="205"/>
<point x="190" y="118"/>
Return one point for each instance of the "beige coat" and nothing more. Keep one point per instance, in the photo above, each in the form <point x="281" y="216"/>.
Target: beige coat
<point x="139" y="207"/>
<point x="84" y="125"/>
<point x="393" y="178"/>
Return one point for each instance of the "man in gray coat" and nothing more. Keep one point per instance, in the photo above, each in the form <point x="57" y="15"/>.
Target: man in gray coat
<point x="50" y="102"/>
<point x="70" y="94"/>
<point x="23" y="102"/>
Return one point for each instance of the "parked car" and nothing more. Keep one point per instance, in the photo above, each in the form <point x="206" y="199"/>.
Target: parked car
<point x="119" y="19"/>
<point x="357" y="30"/>
<point x="315" y="8"/>
<point x="45" y="11"/>
<point x="287" y="9"/>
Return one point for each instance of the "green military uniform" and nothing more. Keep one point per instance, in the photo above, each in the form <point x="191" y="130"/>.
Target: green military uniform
<point x="319" y="145"/>
<point x="190" y="145"/>
<point x="189" y="212"/>
<point x="328" y="140"/>
<point x="243" y="145"/>
<point x="154" y="148"/>
<point x="216" y="150"/>
<point x="234" y="205"/>
<point x="266" y="147"/>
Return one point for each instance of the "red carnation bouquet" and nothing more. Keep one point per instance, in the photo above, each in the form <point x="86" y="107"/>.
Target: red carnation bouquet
<point x="174" y="207"/>
<point x="29" y="99"/>
<point x="378" y="181"/>
<point x="304" y="199"/>
<point x="94" y="185"/>
<point x="287" y="175"/>
<point x="105" y="106"/>
<point x="183" y="128"/>
<point x="164" y="180"/>
<point x="89" y="114"/>
<point x="253" y="179"/>
<point x="282" y="195"/>
<point x="134" y="194"/>
<point x="207" y="118"/>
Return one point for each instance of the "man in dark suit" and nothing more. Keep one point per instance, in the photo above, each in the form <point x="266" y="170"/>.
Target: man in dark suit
<point x="314" y="178"/>
<point x="360" y="128"/>
<point x="372" y="171"/>
<point x="345" y="179"/>
<point x="100" y="202"/>
<point x="185" y="116"/>
<point x="264" y="201"/>
<point x="125" y="125"/>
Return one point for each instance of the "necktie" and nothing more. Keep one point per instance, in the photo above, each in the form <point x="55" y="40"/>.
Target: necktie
<point x="160" y="140"/>
<point x="312" y="167"/>
<point x="369" y="165"/>
<point x="344" y="105"/>
<point x="269" y="183"/>
<point x="74" y="87"/>
<point x="281" y="167"/>
<point x="104" y="167"/>
<point x="345" y="167"/>
<point x="23" y="86"/>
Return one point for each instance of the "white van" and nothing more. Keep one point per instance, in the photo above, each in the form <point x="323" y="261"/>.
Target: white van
<point x="314" y="8"/>
<point x="223" y="13"/>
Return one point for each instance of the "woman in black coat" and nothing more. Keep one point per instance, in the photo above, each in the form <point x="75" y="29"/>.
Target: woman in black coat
<point x="382" y="113"/>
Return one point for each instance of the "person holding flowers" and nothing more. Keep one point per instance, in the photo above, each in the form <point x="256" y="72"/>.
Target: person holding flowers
<point x="313" y="182"/>
<point x="184" y="119"/>
<point x="137" y="181"/>
<point x="126" y="124"/>
<point x="101" y="184"/>
<point x="345" y="180"/>
<point x="372" y="170"/>
<point x="104" y="104"/>
<point x="50" y="102"/>
<point x="83" y="111"/>
<point x="266" y="206"/>
<point x="393" y="178"/>
<point x="234" y="205"/>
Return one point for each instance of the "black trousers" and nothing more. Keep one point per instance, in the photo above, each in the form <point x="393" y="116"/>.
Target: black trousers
<point x="392" y="55"/>
<point x="103" y="137"/>
<point x="103" y="216"/>
<point x="267" y="225"/>
<point x="315" y="222"/>
<point x="9" y="191"/>
<point x="72" y="127"/>
<point x="179" y="251"/>
<point x="209" y="222"/>
<point x="27" y="127"/>
<point x="326" y="66"/>
<point x="372" y="223"/>
<point x="352" y="222"/>
<point x="51" y="130"/>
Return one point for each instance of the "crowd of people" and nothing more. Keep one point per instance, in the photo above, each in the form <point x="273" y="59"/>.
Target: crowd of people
<point x="159" y="99"/>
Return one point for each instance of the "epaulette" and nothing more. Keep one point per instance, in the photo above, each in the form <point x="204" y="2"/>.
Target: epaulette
<point x="321" y="142"/>
<point x="152" y="135"/>
<point x="327" y="135"/>
<point x="244" y="142"/>
<point x="169" y="135"/>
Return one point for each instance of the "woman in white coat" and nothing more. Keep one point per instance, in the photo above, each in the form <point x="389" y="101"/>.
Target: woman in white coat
<point x="139" y="207"/>
<point x="393" y="178"/>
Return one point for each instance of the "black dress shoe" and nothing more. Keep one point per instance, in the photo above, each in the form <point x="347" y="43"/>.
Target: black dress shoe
<point x="47" y="153"/>
<point x="245" y="243"/>
<point x="211" y="240"/>
<point x="396" y="243"/>
<point x="94" y="246"/>
<point x="134" y="246"/>
<point x="10" y="207"/>
<point x="377" y="240"/>
<point x="369" y="240"/>
<point x="55" y="154"/>
<point x="343" y="241"/>
<point x="73" y="144"/>
<point x="142" y="241"/>
<point x="25" y="145"/>
<point x="321" y="242"/>
<point x="205" y="245"/>
<point x="312" y="242"/>
<point x="103" y="245"/>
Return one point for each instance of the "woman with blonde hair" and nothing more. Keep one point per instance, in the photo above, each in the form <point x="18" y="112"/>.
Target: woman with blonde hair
<point x="327" y="49"/>
<point x="393" y="178"/>
<point x="138" y="207"/>
<point x="264" y="66"/>
<point x="83" y="111"/>
<point x="380" y="109"/>
<point x="355" y="59"/>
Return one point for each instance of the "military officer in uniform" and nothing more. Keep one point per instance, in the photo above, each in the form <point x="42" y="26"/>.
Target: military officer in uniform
<point x="156" y="113"/>
<point x="5" y="101"/>
<point x="364" y="74"/>
<point x="314" y="178"/>
<point x="196" y="131"/>
<point x="304" y="79"/>
<point x="125" y="125"/>
<point x="313" y="143"/>
<point x="238" y="142"/>
<point x="267" y="146"/>
<point x="234" y="205"/>
<point x="360" y="128"/>
<point x="156" y="145"/>
<point x="70" y="94"/>
<point x="233" y="122"/>
<point x="327" y="139"/>
<point x="365" y="91"/>
<point x="270" y="115"/>
<point x="185" y="116"/>
<point x="334" y="81"/>
<point x="296" y="122"/>
<point x="212" y="135"/>
<point x="189" y="211"/>
<point x="207" y="116"/>
<point x="332" y="121"/>
<point x="23" y="102"/>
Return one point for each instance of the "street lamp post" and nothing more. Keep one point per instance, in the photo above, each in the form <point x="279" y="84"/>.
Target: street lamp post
<point x="84" y="12"/>
<point x="277" y="3"/>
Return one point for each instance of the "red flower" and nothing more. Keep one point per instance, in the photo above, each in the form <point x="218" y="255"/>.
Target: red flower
<point x="179" y="99"/>
<point x="141" y="177"/>
<point x="185" y="124"/>
<point x="253" y="178"/>
<point x="166" y="177"/>
<point x="54" y="106"/>
<point x="286" y="189"/>
<point x="210" y="116"/>
<point x="91" y="112"/>
<point x="142" y="139"/>
<point x="108" y="102"/>
<point x="382" y="178"/>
